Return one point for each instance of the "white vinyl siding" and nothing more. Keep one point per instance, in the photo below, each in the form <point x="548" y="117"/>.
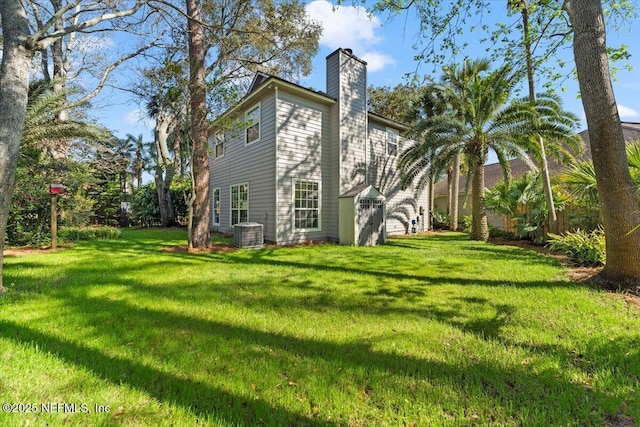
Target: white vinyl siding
<point x="402" y="205"/>
<point x="347" y="82"/>
<point x="303" y="155"/>
<point x="252" y="164"/>
<point x="239" y="203"/>
<point x="306" y="201"/>
<point x="252" y="132"/>
<point x="216" y="206"/>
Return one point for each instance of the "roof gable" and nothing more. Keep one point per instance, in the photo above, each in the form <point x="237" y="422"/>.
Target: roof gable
<point x="258" y="79"/>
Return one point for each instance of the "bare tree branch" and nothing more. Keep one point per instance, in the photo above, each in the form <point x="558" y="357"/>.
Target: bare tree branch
<point x="39" y="40"/>
<point x="108" y="71"/>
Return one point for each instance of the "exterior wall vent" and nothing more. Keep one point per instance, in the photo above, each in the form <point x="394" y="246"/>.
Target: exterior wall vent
<point x="248" y="235"/>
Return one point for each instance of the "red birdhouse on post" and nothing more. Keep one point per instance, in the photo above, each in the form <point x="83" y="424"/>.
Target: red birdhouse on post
<point x="56" y="189"/>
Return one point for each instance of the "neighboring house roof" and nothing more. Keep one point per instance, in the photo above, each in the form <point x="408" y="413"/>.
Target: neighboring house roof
<point x="631" y="131"/>
<point x="493" y="173"/>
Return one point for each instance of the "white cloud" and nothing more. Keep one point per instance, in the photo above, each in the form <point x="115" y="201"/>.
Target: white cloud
<point x="138" y="118"/>
<point x="627" y="113"/>
<point x="377" y="61"/>
<point x="350" y="27"/>
<point x="344" y="26"/>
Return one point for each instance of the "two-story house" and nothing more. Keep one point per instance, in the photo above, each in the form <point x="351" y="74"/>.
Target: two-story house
<point x="311" y="165"/>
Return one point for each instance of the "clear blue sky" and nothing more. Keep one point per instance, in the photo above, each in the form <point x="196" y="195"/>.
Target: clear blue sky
<point x="388" y="48"/>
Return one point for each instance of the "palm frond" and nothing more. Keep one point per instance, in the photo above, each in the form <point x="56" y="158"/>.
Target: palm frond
<point x="580" y="180"/>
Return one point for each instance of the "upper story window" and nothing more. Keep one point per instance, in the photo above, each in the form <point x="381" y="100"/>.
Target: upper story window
<point x="393" y="142"/>
<point x="252" y="118"/>
<point x="219" y="141"/>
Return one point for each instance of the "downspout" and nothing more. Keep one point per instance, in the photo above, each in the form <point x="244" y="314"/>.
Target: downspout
<point x="366" y="130"/>
<point x="277" y="169"/>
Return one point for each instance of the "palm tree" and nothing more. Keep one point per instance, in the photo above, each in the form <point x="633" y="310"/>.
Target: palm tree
<point x="580" y="178"/>
<point x="139" y="157"/>
<point x="41" y="127"/>
<point x="438" y="99"/>
<point x="483" y="118"/>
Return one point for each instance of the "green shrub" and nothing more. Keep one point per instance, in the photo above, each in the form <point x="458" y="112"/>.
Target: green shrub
<point x="465" y="223"/>
<point x="74" y="234"/>
<point x="581" y="247"/>
<point x="440" y="220"/>
<point x="144" y="205"/>
<point x="502" y="234"/>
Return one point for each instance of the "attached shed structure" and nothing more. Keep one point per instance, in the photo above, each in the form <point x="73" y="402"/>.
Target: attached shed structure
<point x="363" y="210"/>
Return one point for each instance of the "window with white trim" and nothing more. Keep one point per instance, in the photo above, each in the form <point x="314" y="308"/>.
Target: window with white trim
<point x="219" y="148"/>
<point x="239" y="203"/>
<point x="216" y="206"/>
<point x="252" y="118"/>
<point x="393" y="142"/>
<point x="306" y="198"/>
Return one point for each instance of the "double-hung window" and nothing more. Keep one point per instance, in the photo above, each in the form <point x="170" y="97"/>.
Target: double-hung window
<point x="306" y="205"/>
<point x="216" y="206"/>
<point x="252" y="118"/>
<point x="239" y="203"/>
<point x="393" y="142"/>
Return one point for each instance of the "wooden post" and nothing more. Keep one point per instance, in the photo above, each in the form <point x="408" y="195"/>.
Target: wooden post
<point x="54" y="221"/>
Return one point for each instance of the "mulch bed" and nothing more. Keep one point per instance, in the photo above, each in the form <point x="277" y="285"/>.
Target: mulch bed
<point x="28" y="250"/>
<point x="577" y="273"/>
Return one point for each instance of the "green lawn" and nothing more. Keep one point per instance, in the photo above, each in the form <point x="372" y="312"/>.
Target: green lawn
<point x="431" y="330"/>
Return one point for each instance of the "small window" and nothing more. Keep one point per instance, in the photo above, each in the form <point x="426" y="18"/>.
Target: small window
<point x="239" y="203"/>
<point x="393" y="142"/>
<point x="252" y="133"/>
<point x="219" y="148"/>
<point x="306" y="205"/>
<point x="216" y="206"/>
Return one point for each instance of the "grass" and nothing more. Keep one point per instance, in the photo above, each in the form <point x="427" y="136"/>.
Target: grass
<point x="431" y="330"/>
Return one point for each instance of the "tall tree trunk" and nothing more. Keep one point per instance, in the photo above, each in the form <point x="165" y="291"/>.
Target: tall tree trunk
<point x="59" y="149"/>
<point x="479" y="225"/>
<point x="449" y="191"/>
<point x="14" y="91"/>
<point x="165" y="170"/>
<point x="432" y="202"/>
<point x="201" y="233"/>
<point x="455" y="193"/>
<point x="546" y="180"/>
<point x="163" y="189"/>
<point x="618" y="198"/>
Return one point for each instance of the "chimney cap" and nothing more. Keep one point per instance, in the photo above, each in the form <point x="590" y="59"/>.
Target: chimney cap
<point x="349" y="51"/>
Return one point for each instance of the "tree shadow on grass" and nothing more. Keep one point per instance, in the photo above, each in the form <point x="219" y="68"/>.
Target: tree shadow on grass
<point x="516" y="391"/>
<point x="369" y="270"/>
<point x="201" y="399"/>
